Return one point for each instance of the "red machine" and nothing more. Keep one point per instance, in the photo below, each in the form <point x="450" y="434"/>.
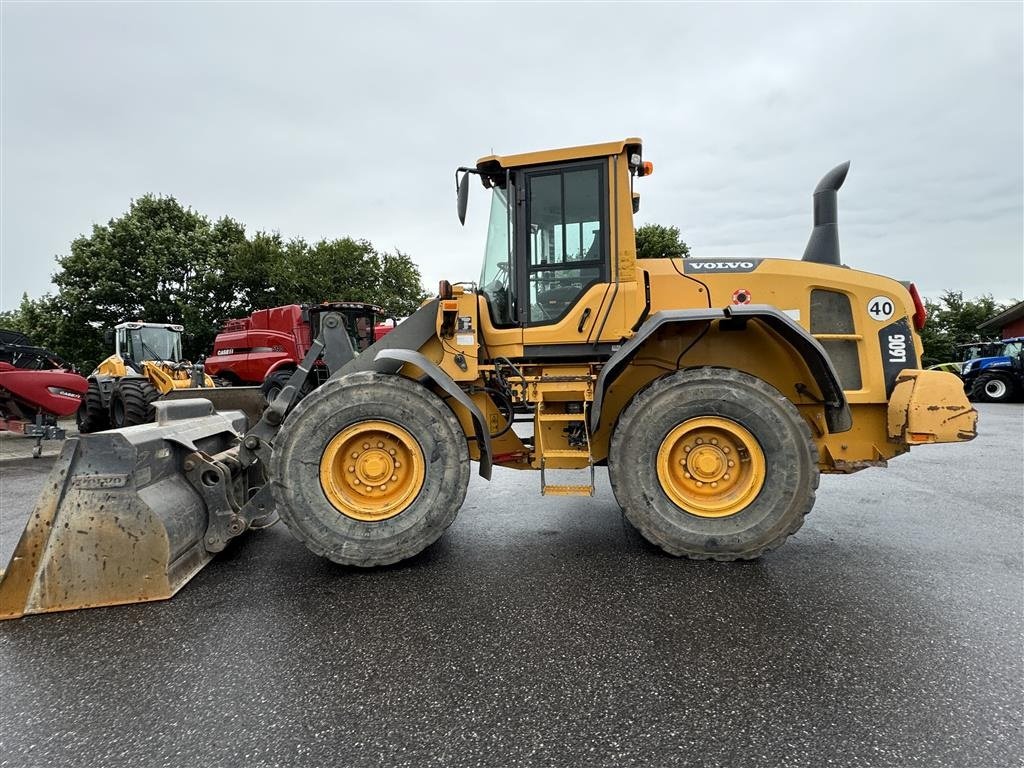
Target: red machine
<point x="265" y="347"/>
<point x="36" y="389"/>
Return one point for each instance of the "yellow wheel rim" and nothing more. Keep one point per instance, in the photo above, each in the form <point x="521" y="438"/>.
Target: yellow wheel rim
<point x="372" y="471"/>
<point x="711" y="467"/>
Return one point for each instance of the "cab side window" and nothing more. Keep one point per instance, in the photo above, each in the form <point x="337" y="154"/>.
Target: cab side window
<point x="567" y="238"/>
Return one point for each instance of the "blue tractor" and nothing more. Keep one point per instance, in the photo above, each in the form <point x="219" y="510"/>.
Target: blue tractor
<point x="999" y="377"/>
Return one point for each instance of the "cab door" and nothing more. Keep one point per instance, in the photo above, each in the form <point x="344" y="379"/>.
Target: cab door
<point x="562" y="248"/>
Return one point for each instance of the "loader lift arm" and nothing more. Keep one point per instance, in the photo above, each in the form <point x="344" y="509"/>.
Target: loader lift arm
<point x="233" y="483"/>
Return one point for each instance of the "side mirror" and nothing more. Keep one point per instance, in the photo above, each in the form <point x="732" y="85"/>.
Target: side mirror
<point x="108" y="336"/>
<point x="463" y="197"/>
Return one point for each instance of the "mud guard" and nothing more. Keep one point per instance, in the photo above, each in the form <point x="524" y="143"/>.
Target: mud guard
<point x="837" y="410"/>
<point x="391" y="360"/>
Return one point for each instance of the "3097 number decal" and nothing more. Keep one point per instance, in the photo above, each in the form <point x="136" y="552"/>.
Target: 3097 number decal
<point x="897" y="348"/>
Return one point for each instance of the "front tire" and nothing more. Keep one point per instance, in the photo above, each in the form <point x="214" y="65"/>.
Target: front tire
<point x="993" y="388"/>
<point x="92" y="416"/>
<point x="132" y="402"/>
<point x="713" y="463"/>
<point x="370" y="469"/>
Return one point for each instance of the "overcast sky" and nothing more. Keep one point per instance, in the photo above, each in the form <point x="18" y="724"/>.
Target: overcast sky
<point x="348" y="119"/>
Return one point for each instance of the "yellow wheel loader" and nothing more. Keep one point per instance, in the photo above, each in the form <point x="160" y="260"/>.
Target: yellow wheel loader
<point x="714" y="390"/>
<point x="148" y="365"/>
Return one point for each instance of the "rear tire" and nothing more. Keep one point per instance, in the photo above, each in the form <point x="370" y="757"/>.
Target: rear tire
<point x="92" y="416"/>
<point x="774" y="477"/>
<point x="307" y="469"/>
<point x="132" y="402"/>
<point x="993" y="388"/>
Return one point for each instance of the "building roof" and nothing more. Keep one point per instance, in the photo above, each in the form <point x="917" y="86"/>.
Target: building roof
<point x="1016" y="312"/>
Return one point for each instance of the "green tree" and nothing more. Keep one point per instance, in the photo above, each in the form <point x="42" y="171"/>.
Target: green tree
<point x="347" y="269"/>
<point x="165" y="263"/>
<point x="655" y="241"/>
<point x="39" y="319"/>
<point x="10" y="319"/>
<point x="399" y="285"/>
<point x="254" y="270"/>
<point x="954" y="320"/>
<point x="159" y="262"/>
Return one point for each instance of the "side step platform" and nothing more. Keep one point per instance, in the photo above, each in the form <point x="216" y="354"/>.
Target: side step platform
<point x="574" y="425"/>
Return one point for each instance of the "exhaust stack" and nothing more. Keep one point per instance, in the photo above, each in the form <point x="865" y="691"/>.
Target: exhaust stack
<point x="823" y="245"/>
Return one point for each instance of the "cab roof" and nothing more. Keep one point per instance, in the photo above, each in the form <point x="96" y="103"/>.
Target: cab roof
<point x="493" y="163"/>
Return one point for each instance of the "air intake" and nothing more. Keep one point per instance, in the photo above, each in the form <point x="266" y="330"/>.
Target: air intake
<point x="823" y="246"/>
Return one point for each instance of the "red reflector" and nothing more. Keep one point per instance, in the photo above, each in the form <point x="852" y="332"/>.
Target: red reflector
<point x="920" y="313"/>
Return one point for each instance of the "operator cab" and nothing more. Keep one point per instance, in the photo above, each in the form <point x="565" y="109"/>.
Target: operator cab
<point x="136" y="343"/>
<point x="550" y="234"/>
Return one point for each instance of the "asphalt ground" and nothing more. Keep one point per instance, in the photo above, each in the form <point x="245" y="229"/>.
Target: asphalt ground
<point x="544" y="632"/>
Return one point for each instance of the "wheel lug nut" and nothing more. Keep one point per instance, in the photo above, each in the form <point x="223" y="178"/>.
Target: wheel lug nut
<point x="714" y="485"/>
<point x="355" y="455"/>
<point x="687" y="448"/>
<point x="725" y="450"/>
<point x="732" y="463"/>
<point x="714" y="441"/>
<point x="356" y="481"/>
<point x="394" y="478"/>
<point x="686" y="475"/>
<point x="351" y="469"/>
<point x="380" y="444"/>
<point x="700" y="484"/>
<point x="391" y="451"/>
<point x="700" y="441"/>
<point x="725" y="476"/>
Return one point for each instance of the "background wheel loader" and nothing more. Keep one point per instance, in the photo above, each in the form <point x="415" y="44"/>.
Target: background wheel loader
<point x="146" y="366"/>
<point x="147" y="363"/>
<point x="714" y="390"/>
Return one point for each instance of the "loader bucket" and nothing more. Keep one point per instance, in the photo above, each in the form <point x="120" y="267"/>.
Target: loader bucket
<point x="248" y="400"/>
<point x="117" y="521"/>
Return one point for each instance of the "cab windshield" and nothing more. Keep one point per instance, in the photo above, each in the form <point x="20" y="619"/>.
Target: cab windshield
<point x="154" y="344"/>
<point x="495" y="278"/>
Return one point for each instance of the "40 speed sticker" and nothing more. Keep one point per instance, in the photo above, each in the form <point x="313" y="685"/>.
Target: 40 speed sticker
<point x="881" y="308"/>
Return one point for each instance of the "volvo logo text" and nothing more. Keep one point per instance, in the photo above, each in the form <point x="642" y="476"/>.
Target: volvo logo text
<point x="748" y="265"/>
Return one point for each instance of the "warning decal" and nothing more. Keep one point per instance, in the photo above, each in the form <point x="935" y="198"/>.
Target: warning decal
<point x="741" y="296"/>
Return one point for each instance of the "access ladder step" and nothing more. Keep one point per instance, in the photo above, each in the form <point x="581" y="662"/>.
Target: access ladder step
<point x="562" y="416"/>
<point x="566" y="453"/>
<point x="568" y="490"/>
